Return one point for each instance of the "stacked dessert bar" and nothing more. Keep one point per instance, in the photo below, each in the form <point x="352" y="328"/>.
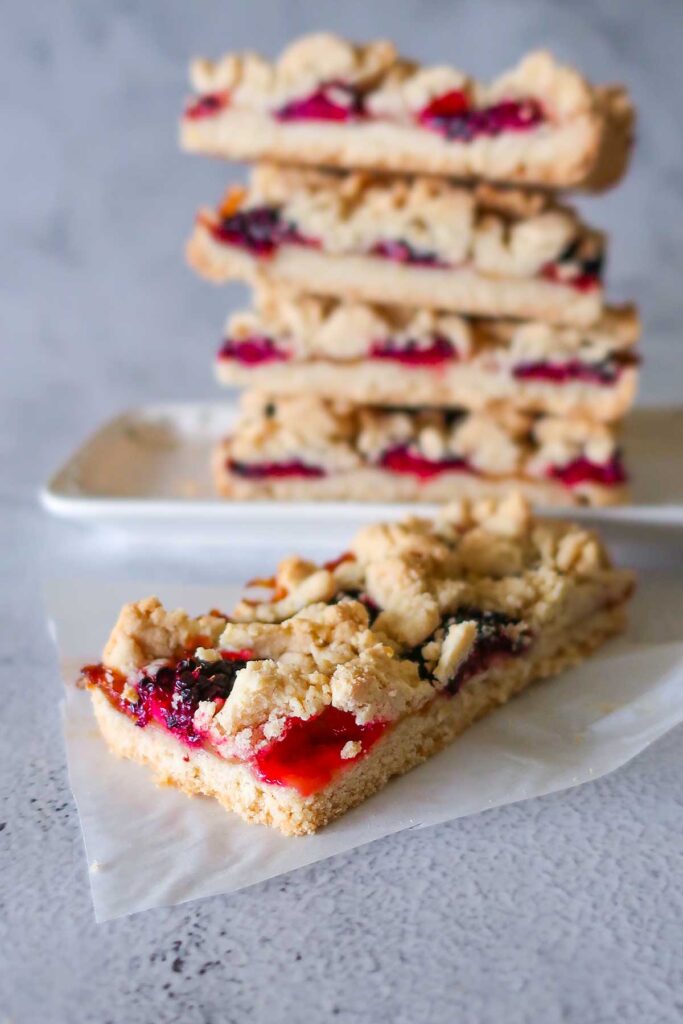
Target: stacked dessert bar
<point x="429" y="319"/>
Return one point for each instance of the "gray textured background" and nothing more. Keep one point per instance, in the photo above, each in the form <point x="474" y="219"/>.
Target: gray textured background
<point x="563" y="909"/>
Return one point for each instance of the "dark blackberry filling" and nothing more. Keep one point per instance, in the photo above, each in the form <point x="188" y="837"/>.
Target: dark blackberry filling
<point x="265" y="470"/>
<point x="173" y="694"/>
<point x="605" y="372"/>
<point x="260" y="230"/>
<point x="498" y="635"/>
<point x="589" y="270"/>
<point x="451" y="116"/>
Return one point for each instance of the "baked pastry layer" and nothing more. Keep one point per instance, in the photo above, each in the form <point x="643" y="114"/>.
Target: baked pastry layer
<point x="302" y="344"/>
<point x="302" y="705"/>
<point x="328" y="102"/>
<point x="301" y="447"/>
<point x="420" y="242"/>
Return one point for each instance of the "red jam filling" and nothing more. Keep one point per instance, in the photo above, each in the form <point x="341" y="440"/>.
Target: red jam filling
<point x="402" y="252"/>
<point x="170" y="696"/>
<point x="332" y="101"/>
<point x="280" y="470"/>
<point x="452" y="116"/>
<point x="583" y="471"/>
<point x="439" y="351"/>
<point x="402" y="460"/>
<point x="260" y="230"/>
<point x="308" y="752"/>
<point x="252" y="351"/>
<point x="603" y="373"/>
<point x="207" y="106"/>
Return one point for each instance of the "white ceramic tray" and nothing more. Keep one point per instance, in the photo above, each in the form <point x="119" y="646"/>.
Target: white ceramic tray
<point x="152" y="465"/>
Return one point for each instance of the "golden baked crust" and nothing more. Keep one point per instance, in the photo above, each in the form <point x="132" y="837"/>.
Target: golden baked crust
<point x="379" y="635"/>
<point x="584" y="141"/>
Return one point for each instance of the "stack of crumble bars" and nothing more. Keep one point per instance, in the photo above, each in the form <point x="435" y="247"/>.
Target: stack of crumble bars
<point x="429" y="319"/>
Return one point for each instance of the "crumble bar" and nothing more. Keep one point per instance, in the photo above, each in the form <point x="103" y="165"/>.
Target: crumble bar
<point x="419" y="242"/>
<point x="392" y="355"/>
<point x="301" y="706"/>
<point x="302" y="447"/>
<point x="328" y="102"/>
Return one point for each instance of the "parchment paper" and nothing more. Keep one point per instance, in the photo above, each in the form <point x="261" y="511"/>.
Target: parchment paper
<point x="150" y="847"/>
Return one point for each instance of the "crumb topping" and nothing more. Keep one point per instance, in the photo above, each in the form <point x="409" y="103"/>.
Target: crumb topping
<point x="337" y="436"/>
<point x="380" y="632"/>
<point x="498" y="231"/>
<point x="392" y="86"/>
<point x="310" y="327"/>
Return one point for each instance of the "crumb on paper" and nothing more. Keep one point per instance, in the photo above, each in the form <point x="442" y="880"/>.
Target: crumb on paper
<point x="95" y="867"/>
<point x="579" y="737"/>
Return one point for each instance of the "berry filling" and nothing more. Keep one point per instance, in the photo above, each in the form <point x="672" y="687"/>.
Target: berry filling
<point x="451" y="116"/>
<point x="260" y="230"/>
<point x="206" y="106"/>
<point x="402" y="252"/>
<point x="170" y="696"/>
<point x="308" y="753"/>
<point x="498" y="636"/>
<point x="265" y="470"/>
<point x="583" y="471"/>
<point x="585" y="274"/>
<point x="332" y="101"/>
<point x="605" y="372"/>
<point x="439" y="351"/>
<point x="402" y="460"/>
<point x="252" y="351"/>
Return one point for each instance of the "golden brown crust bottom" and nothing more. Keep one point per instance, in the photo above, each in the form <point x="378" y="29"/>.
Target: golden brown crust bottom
<point x="409" y="743"/>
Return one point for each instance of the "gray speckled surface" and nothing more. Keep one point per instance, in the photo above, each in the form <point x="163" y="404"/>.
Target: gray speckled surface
<point x="563" y="909"/>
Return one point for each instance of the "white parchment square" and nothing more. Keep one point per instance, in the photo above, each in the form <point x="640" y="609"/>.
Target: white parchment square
<point x="150" y="847"/>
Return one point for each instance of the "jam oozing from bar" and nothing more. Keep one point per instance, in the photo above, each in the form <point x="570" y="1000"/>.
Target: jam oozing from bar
<point x="582" y="471"/>
<point x="402" y="460"/>
<point x="252" y="351"/>
<point x="170" y="695"/>
<point x="439" y="351"/>
<point x="452" y="116"/>
<point x="268" y="470"/>
<point x="603" y="373"/>
<point x="308" y="753"/>
<point x="206" y="106"/>
<point x="331" y="101"/>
